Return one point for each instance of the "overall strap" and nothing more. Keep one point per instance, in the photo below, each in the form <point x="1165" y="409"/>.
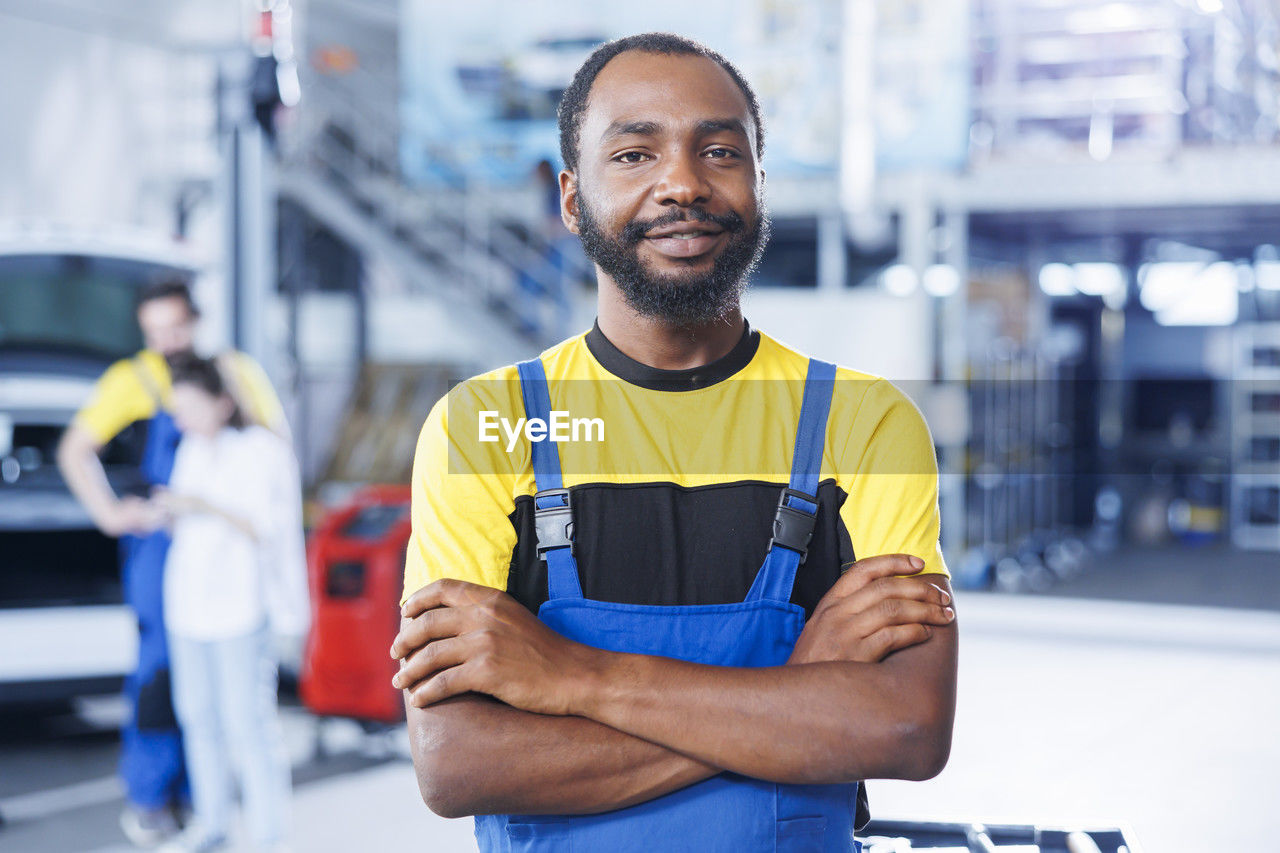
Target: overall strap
<point x="147" y="381"/>
<point x="552" y="509"/>
<point x="162" y="433"/>
<point x="797" y="510"/>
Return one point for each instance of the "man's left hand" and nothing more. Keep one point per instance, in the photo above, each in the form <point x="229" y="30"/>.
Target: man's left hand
<point x="466" y="638"/>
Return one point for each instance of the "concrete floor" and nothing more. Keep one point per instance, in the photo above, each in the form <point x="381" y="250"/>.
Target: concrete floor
<point x="1071" y="711"/>
<point x="1076" y="711"/>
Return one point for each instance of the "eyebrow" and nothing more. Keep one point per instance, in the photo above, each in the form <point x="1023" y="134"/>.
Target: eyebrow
<point x="652" y="128"/>
<point x="630" y="128"/>
<point x="715" y="125"/>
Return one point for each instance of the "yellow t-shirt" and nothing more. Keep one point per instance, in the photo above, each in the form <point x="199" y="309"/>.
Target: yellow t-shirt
<point x="674" y="491"/>
<point x="131" y="389"/>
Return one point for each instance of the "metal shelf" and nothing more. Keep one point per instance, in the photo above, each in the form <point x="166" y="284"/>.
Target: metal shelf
<point x="1255" y="485"/>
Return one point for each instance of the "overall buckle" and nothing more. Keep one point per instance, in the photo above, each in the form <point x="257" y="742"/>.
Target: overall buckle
<point x="553" y="525"/>
<point x="793" y="526"/>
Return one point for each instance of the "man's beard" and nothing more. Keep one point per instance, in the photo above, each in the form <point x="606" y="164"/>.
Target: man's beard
<point x="682" y="300"/>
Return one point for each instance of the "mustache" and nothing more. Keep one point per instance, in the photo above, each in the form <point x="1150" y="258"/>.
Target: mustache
<point x="633" y="232"/>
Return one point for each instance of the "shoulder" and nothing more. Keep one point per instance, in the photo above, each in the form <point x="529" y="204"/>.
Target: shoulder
<point x="129" y="390"/>
<point x="882" y="428"/>
<point x="260" y="441"/>
<point x="253" y="388"/>
<point x="776" y="360"/>
<point x="247" y="371"/>
<point x="873" y="398"/>
<point x="867" y="411"/>
<point x="855" y="394"/>
<point x="499" y="389"/>
<point x="240" y="360"/>
<point x="135" y="372"/>
<point x="494" y="389"/>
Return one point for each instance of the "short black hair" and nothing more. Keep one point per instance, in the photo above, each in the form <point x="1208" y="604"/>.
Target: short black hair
<point x="168" y="288"/>
<point x="573" y="104"/>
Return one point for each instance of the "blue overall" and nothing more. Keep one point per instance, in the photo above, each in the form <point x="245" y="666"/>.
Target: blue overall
<point x="728" y="812"/>
<point x="151" y="760"/>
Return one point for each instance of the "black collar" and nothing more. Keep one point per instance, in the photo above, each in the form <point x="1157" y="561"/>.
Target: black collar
<point x="626" y="368"/>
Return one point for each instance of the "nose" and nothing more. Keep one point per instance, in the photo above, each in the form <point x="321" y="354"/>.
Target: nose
<point x="682" y="183"/>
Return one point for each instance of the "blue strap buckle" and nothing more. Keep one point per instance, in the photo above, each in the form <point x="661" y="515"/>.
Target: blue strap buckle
<point x="553" y="520"/>
<point x="793" y="525"/>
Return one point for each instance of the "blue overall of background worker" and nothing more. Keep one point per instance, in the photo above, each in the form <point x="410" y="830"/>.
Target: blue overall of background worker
<point x="136" y="391"/>
<point x="711" y="667"/>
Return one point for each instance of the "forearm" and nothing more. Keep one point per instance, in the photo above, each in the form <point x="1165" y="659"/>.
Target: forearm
<point x="240" y="522"/>
<point x="807" y="723"/>
<point x="820" y="719"/>
<point x="474" y="755"/>
<point x="85" y="477"/>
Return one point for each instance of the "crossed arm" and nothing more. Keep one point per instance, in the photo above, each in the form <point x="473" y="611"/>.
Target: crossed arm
<point x="507" y="716"/>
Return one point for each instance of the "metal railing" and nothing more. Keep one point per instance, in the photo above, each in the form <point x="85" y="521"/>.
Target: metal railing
<point x="484" y="244"/>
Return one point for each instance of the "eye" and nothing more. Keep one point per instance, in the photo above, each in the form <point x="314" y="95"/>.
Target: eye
<point x="631" y="157"/>
<point x="721" y="153"/>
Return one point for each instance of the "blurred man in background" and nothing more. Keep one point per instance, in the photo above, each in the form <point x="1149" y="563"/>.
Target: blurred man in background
<point x="136" y="390"/>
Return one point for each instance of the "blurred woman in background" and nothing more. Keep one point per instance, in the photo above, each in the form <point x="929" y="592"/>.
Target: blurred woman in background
<point x="234" y="575"/>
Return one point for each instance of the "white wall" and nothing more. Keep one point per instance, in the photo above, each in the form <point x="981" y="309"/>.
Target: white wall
<point x="863" y="328"/>
<point x="94" y="102"/>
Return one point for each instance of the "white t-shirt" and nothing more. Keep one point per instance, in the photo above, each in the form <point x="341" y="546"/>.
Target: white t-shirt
<point x="218" y="581"/>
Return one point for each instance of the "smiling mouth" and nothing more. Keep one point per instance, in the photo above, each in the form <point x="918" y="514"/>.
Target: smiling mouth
<point x="685" y="229"/>
<point x="684" y="244"/>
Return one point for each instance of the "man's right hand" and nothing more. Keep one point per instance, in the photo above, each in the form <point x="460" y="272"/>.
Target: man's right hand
<point x="873" y="611"/>
<point x="131" y="515"/>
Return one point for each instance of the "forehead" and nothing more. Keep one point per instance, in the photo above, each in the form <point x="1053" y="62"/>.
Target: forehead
<point x="672" y="90"/>
<point x="164" y="309"/>
<point x="189" y="392"/>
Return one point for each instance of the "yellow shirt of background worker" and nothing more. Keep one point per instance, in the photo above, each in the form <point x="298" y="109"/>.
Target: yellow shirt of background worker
<point x="132" y="390"/>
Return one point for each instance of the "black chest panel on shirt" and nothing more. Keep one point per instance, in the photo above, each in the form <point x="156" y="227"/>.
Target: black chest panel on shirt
<point x="664" y="544"/>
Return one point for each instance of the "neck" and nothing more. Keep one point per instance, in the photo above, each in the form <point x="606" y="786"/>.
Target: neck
<point x="658" y="344"/>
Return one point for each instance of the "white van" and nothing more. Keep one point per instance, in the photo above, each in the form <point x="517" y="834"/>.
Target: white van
<point x="66" y="313"/>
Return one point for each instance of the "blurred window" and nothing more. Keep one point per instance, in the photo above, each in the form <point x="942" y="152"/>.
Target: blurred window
<point x="791" y="258"/>
<point x="74" y="302"/>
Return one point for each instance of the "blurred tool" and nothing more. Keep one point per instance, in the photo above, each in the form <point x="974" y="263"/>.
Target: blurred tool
<point x="979" y="841"/>
<point x="900" y="836"/>
<point x="1022" y="399"/>
<point x="1080" y="842"/>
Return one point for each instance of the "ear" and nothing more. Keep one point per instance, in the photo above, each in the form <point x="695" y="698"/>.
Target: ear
<point x="569" y="200"/>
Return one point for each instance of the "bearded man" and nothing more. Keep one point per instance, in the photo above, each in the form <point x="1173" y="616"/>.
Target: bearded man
<point x="705" y="627"/>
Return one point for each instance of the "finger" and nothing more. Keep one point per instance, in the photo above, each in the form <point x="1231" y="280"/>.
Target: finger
<point x="912" y="588"/>
<point x="429" y="626"/>
<point x="894" y="611"/>
<point x="446" y="591"/>
<point x="453" y="681"/>
<point x="886" y="641"/>
<point x="869" y="569"/>
<point x="425" y="662"/>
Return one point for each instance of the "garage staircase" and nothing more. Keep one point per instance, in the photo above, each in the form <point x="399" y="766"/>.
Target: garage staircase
<point x="481" y="250"/>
